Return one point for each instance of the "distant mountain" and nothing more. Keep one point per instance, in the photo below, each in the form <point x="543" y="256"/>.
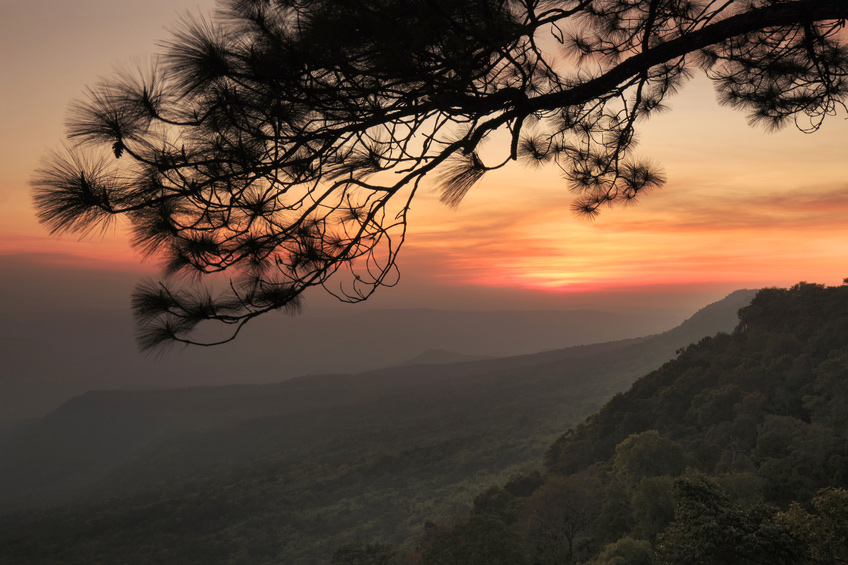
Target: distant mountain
<point x="51" y="357"/>
<point x="392" y="443"/>
<point x="442" y="357"/>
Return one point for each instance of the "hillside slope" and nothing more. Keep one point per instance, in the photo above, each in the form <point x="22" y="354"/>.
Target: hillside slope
<point x="319" y="460"/>
<point x="734" y="452"/>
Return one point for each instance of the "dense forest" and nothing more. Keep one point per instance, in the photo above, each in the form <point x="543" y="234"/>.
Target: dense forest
<point x="734" y="452"/>
<point x="285" y="473"/>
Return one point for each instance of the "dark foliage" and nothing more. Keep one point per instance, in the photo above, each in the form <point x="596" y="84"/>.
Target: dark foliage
<point x="733" y="453"/>
<point x="763" y="398"/>
<point x="285" y="473"/>
<point x="283" y="141"/>
<point x="710" y="528"/>
<point x="479" y="540"/>
<point x="358" y="553"/>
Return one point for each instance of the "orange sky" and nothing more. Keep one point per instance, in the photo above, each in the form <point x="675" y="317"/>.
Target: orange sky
<point x="741" y="208"/>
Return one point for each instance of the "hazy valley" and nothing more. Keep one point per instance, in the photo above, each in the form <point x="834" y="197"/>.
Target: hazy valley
<point x="317" y="460"/>
<point x="57" y="341"/>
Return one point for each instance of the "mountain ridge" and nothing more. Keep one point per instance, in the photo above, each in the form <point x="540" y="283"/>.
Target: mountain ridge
<point x="425" y="432"/>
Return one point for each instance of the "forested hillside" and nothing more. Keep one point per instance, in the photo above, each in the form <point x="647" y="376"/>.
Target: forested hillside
<point x="285" y="473"/>
<point x="734" y="452"/>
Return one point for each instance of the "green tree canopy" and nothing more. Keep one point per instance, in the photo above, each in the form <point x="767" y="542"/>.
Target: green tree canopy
<point x="479" y="540"/>
<point x="557" y="515"/>
<point x="710" y="528"/>
<point x="647" y="454"/>
<point x="626" y="551"/>
<point x="282" y="141"/>
<point x="358" y="553"/>
<point x="826" y="531"/>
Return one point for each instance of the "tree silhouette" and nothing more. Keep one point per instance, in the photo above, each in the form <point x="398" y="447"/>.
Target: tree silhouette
<point x="283" y="141"/>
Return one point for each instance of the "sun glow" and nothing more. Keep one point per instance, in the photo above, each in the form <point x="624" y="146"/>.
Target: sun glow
<point x="740" y="207"/>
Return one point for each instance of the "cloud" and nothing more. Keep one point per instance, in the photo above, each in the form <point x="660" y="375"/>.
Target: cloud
<point x="721" y="234"/>
<point x="799" y="210"/>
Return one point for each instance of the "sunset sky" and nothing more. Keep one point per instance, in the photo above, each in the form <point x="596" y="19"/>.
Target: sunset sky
<point x="742" y="208"/>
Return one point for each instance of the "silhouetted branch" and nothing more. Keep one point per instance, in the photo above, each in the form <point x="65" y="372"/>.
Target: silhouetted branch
<point x="283" y="141"/>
